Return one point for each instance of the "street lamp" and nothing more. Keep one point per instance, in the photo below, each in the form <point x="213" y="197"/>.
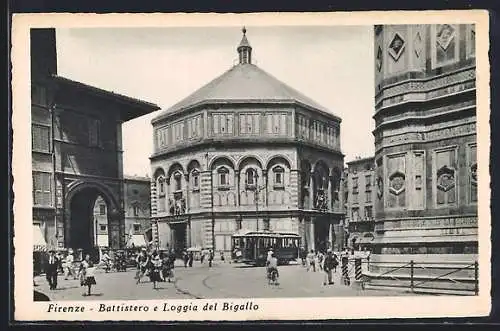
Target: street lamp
<point x="211" y="200"/>
<point x="257" y="192"/>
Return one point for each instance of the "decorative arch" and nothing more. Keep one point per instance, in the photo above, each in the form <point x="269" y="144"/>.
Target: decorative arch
<point x="192" y="165"/>
<point x="247" y="160"/>
<point x="221" y="160"/>
<point x="158" y="172"/>
<point x="321" y="165"/>
<point x="175" y="167"/>
<point x="278" y="159"/>
<point x="105" y="191"/>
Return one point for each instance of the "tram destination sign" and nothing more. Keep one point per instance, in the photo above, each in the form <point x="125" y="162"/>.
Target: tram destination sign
<point x="428" y="223"/>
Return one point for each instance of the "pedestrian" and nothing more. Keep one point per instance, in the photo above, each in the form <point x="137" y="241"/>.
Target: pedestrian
<point x="156" y="270"/>
<point x="311" y="257"/>
<point x="106" y="260"/>
<point x="87" y="278"/>
<point x="142" y="261"/>
<point x="222" y="258"/>
<point x="185" y="258"/>
<point x="190" y="259"/>
<point x="60" y="258"/>
<point x="328" y="266"/>
<point x="319" y="260"/>
<point x="335" y="262"/>
<point x="210" y="258"/>
<point x="52" y="269"/>
<point x="68" y="264"/>
<point x="303" y="256"/>
<point x="202" y="255"/>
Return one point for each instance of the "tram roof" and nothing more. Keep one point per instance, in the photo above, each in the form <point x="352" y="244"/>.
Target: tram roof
<point x="270" y="234"/>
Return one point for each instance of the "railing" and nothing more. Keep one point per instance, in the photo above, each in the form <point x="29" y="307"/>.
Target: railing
<point x="424" y="276"/>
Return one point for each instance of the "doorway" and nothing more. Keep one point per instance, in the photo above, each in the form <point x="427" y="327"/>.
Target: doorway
<point x="321" y="228"/>
<point x="179" y="231"/>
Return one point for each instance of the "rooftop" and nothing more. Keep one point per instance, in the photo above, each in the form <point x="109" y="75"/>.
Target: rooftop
<point x="245" y="83"/>
<point x="137" y="178"/>
<point x="136" y="109"/>
<point x="357" y="160"/>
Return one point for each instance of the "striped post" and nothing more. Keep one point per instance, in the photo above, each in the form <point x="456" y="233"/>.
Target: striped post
<point x="345" y="271"/>
<point x="358" y="274"/>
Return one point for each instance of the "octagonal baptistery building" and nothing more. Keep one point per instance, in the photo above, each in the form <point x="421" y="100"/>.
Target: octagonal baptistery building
<point x="245" y="152"/>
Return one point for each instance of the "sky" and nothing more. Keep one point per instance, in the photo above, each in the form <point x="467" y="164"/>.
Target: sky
<point x="333" y="65"/>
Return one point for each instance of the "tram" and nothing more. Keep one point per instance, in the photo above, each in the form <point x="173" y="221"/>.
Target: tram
<point x="251" y="247"/>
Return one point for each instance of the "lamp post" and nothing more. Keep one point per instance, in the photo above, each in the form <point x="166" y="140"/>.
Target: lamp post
<point x="257" y="192"/>
<point x="211" y="200"/>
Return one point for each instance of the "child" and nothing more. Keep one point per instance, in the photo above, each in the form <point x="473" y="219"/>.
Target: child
<point x="87" y="270"/>
<point x="155" y="270"/>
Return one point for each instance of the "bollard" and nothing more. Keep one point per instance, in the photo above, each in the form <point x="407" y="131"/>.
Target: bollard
<point x="345" y="272"/>
<point x="358" y="274"/>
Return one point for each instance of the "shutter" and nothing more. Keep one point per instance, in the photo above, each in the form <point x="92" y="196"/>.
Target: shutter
<point x="216" y="121"/>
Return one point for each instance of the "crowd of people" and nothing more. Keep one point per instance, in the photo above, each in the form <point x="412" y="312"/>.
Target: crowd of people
<point x="158" y="266"/>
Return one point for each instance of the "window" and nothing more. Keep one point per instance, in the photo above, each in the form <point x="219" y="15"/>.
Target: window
<point x="368" y="195"/>
<point x="40" y="138"/>
<point x="102" y="209"/>
<point x="103" y="227"/>
<point x="136" y="210"/>
<point x="195" y="179"/>
<point x="161" y="186"/>
<point x="355" y="214"/>
<point x="178" y="181"/>
<point x="178" y="131"/>
<point x="251" y="176"/>
<point x="278" y="176"/>
<point x="223" y="176"/>
<point x="368" y="212"/>
<point x="266" y="224"/>
<point x="368" y="182"/>
<point x="239" y="226"/>
<point x="94" y="132"/>
<point x="249" y="123"/>
<point x="354" y="197"/>
<point x="137" y="227"/>
<point x="222" y="124"/>
<point x="42" y="189"/>
<point x="193" y="127"/>
<point x="355" y="185"/>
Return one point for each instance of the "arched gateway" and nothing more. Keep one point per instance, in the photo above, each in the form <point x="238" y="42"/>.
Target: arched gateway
<point x="79" y="231"/>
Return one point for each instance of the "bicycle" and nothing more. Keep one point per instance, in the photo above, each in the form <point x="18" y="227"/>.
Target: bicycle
<point x="273" y="277"/>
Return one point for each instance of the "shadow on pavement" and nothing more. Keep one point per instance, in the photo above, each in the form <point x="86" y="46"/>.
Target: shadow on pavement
<point x="39" y="296"/>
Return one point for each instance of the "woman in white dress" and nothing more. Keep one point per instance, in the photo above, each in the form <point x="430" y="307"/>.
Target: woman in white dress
<point x="87" y="272"/>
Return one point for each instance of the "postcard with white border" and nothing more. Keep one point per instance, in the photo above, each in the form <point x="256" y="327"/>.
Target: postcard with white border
<point x="266" y="166"/>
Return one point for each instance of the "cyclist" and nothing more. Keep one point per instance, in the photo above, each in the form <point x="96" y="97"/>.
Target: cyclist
<point x="272" y="265"/>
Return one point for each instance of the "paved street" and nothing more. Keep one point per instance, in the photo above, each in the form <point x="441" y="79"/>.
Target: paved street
<point x="223" y="280"/>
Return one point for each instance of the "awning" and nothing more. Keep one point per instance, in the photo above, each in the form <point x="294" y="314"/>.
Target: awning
<point x="39" y="243"/>
<point x="423" y="239"/>
<point x="137" y="240"/>
<point x="102" y="240"/>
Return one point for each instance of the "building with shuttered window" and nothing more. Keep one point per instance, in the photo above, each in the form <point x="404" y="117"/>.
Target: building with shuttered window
<point x="76" y="152"/>
<point x="245" y="151"/>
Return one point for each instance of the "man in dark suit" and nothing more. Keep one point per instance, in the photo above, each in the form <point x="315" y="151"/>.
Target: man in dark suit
<point x="52" y="269"/>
